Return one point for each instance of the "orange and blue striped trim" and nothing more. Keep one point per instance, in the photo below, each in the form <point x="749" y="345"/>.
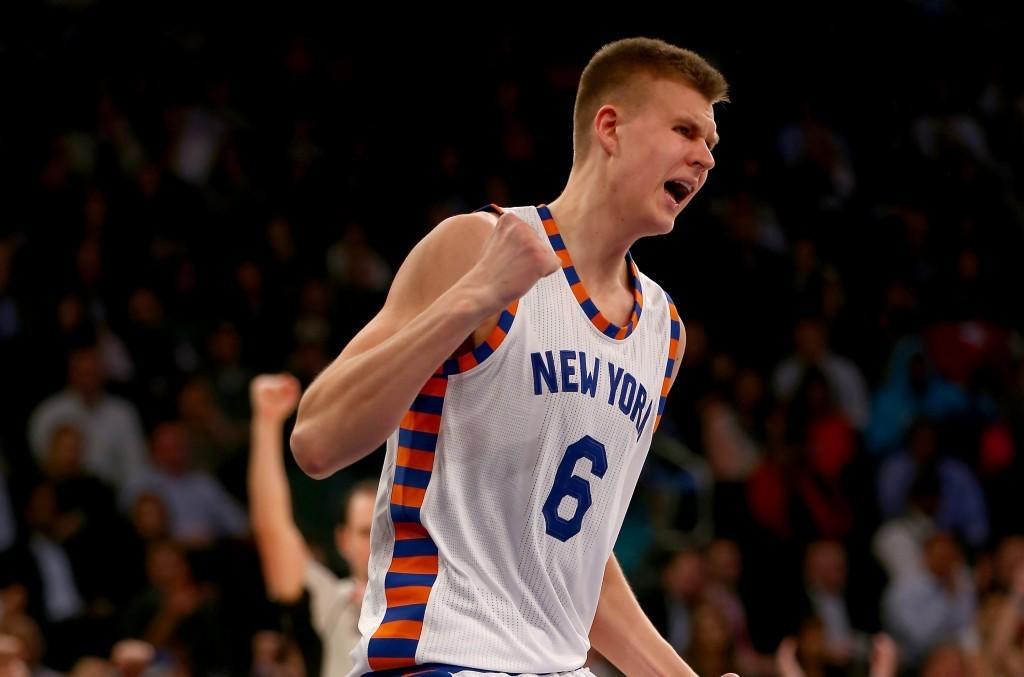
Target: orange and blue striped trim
<point x="413" y="567"/>
<point x="675" y="330"/>
<point x="492" y="208"/>
<point x="603" y="325"/>
<point x="414" y="562"/>
<point x="470" y="359"/>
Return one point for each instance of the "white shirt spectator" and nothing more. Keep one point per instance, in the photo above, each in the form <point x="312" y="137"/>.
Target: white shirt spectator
<point x="199" y="508"/>
<point x="335" y="615"/>
<point x="845" y="379"/>
<point x="922" y="614"/>
<point x="113" y="445"/>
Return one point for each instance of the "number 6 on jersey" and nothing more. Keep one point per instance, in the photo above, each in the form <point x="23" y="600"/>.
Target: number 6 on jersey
<point x="567" y="484"/>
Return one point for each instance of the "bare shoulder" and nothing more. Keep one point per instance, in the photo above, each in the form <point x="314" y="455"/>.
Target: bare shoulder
<point x="443" y="256"/>
<point x="433" y="266"/>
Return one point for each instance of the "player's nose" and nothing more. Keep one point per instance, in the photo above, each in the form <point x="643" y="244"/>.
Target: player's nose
<point x="700" y="156"/>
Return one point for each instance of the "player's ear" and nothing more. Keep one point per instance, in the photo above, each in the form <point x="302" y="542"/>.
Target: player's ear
<point x="606" y="128"/>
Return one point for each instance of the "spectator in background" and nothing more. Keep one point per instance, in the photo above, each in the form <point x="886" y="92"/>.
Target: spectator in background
<point x="153" y="349"/>
<point x="216" y="441"/>
<point x="22" y="649"/>
<point x="89" y="525"/>
<point x="150" y="524"/>
<point x="912" y="391"/>
<point x="730" y="447"/>
<point x="200" y="509"/>
<point x="42" y="582"/>
<point x="825" y="573"/>
<point x="899" y="543"/>
<point x="276" y="655"/>
<point x="671" y="607"/>
<point x="288" y="565"/>
<point x="1001" y="626"/>
<point x="712" y="648"/>
<point x="844" y="378"/>
<point x="227" y="374"/>
<point x="818" y="158"/>
<point x="797" y="492"/>
<point x="926" y="609"/>
<point x="961" y="504"/>
<point x="114" y="448"/>
<point x="724" y="566"/>
<point x="804" y="656"/>
<point x="947" y="661"/>
<point x="354" y="265"/>
<point x="178" y="615"/>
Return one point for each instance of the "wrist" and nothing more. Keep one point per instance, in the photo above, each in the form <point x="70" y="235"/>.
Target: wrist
<point x="475" y="302"/>
<point x="263" y="422"/>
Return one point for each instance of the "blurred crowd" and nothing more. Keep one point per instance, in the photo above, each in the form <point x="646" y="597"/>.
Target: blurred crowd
<point x="839" y="471"/>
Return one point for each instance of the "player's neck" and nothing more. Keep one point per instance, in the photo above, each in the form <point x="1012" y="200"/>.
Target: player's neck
<point x="593" y="232"/>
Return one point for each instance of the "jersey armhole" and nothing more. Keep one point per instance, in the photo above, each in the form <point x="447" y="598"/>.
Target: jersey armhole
<point x="675" y="331"/>
<point x="467" y="358"/>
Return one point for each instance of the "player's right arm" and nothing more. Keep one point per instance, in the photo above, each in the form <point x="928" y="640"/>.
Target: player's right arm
<point x="453" y="283"/>
<point x="284" y="555"/>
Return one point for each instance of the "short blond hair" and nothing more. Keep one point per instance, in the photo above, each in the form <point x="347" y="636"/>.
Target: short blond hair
<point x="616" y="67"/>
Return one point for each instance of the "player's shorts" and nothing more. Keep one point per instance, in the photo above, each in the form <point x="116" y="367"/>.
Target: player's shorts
<point x="453" y="671"/>
<point x="582" y="672"/>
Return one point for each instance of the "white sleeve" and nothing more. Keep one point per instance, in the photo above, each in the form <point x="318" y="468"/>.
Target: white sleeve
<point x="329" y="596"/>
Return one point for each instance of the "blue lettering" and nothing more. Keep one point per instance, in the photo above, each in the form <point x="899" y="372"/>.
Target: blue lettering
<point x="641" y="400"/>
<point x="588" y="382"/>
<point x="615" y="378"/>
<point x="548" y="373"/>
<point x="627" y="393"/>
<point x="643" y="424"/>
<point x="566" y="357"/>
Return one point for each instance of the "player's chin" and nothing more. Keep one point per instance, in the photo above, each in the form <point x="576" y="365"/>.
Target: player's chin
<point x="665" y="221"/>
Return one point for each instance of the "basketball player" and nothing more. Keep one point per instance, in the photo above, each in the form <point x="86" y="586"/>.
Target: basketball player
<point x="524" y="360"/>
<point x="288" y="566"/>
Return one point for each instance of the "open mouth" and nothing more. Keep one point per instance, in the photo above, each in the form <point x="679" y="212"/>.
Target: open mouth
<point x="677" y="190"/>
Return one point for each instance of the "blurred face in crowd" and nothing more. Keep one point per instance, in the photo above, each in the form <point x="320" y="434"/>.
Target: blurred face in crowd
<point x="166" y="566"/>
<point x="170" y="448"/>
<point x="353" y="537"/>
<point x="63" y="459"/>
<point x="710" y="631"/>
<point x="1009" y="557"/>
<point x="225" y="345"/>
<point x="144" y="308"/>
<point x="724" y="563"/>
<point x="683" y="578"/>
<point x="196" y="402"/>
<point x="946" y="661"/>
<point x="942" y="556"/>
<point x="149" y="517"/>
<point x="811" y="643"/>
<point x="810" y="340"/>
<point x="85" y="373"/>
<point x="826" y="566"/>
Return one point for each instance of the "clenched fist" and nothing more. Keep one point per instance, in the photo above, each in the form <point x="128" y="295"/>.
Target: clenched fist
<point x="274" y="396"/>
<point x="513" y="258"/>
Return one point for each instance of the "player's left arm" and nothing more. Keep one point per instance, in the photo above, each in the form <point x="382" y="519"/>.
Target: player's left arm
<point x="625" y="636"/>
<point x="621" y="632"/>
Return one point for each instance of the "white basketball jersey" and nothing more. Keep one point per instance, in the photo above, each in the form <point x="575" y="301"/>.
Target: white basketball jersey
<point x="504" y="489"/>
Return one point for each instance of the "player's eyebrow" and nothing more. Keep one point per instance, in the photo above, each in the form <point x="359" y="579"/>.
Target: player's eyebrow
<point x="692" y="122"/>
